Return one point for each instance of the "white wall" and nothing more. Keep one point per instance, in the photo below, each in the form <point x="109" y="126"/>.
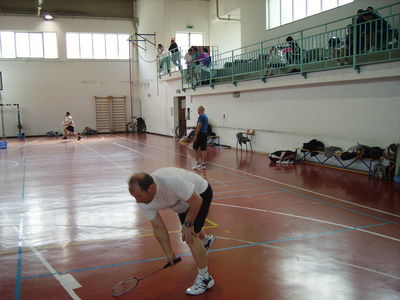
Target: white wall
<point x="167" y="17"/>
<point x="338" y="107"/>
<point x="225" y="34"/>
<point x="46" y="89"/>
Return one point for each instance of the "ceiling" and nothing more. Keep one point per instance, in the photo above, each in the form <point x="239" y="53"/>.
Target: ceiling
<point x="84" y="8"/>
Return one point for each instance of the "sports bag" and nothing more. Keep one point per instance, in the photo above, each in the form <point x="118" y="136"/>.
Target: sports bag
<point x="283" y="157"/>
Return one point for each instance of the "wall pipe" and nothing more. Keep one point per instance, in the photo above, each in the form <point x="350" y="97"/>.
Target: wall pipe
<point x="224" y="19"/>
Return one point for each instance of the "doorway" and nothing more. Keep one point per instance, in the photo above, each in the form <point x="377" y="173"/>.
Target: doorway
<point x="180" y="116"/>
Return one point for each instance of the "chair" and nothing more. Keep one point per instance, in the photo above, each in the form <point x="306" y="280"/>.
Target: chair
<point x="244" y="138"/>
<point x="213" y="140"/>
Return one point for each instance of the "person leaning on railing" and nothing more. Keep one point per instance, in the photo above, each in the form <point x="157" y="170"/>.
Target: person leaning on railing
<point x="175" y="54"/>
<point x="205" y="58"/>
<point x="163" y="62"/>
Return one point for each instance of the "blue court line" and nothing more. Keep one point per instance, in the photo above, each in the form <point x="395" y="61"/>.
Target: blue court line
<point x="19" y="261"/>
<point x="215" y="250"/>
<point x="339" y="206"/>
<point x="18" y="278"/>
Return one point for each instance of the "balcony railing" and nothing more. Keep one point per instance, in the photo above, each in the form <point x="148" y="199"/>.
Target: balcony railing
<point x="368" y="38"/>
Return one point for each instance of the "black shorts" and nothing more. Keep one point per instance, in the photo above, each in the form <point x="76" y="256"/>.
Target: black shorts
<point x="70" y="128"/>
<point x="201" y="216"/>
<point x="201" y="142"/>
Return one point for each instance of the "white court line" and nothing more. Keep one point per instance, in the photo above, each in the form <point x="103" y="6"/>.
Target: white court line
<point x="67" y="281"/>
<point x="305" y="218"/>
<point x="12" y="161"/>
<point x="26" y="144"/>
<point x="140" y="153"/>
<point x="324" y="257"/>
<point x="275" y="181"/>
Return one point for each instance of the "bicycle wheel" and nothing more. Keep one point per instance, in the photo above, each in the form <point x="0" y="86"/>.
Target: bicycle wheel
<point x="180" y="131"/>
<point x="144" y="128"/>
<point x="131" y="127"/>
<point x="141" y="128"/>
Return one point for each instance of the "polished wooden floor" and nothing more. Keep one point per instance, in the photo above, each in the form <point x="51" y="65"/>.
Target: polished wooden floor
<point x="70" y="230"/>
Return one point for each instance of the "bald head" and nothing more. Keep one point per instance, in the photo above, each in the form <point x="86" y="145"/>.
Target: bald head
<point x="142" y="180"/>
<point x="142" y="187"/>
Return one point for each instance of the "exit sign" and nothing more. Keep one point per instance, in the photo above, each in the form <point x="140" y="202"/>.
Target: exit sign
<point x="189" y="26"/>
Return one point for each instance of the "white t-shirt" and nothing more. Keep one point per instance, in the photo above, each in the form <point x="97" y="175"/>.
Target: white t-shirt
<point x="174" y="187"/>
<point x="69" y="122"/>
<point x="188" y="58"/>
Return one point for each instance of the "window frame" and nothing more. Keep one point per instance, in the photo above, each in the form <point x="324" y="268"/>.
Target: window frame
<point x="29" y="46"/>
<point x="279" y="2"/>
<point x="119" y="49"/>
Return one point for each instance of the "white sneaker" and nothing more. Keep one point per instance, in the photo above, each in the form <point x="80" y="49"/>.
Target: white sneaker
<point x="200" y="285"/>
<point x="203" y="166"/>
<point x="197" y="166"/>
<point x="208" y="241"/>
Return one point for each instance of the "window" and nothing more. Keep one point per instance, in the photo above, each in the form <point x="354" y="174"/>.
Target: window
<point x="28" y="44"/>
<point x="97" y="45"/>
<point x="280" y="12"/>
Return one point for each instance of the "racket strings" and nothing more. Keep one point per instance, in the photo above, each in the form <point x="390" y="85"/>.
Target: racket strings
<point x="125" y="286"/>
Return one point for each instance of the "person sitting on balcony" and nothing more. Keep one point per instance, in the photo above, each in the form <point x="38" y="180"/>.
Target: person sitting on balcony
<point x="275" y="59"/>
<point x="292" y="51"/>
<point x="376" y="31"/>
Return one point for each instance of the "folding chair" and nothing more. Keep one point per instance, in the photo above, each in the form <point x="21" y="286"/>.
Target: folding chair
<point x="244" y="138"/>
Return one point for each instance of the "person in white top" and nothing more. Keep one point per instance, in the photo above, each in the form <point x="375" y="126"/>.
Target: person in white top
<point x="187" y="194"/>
<point x="189" y="60"/>
<point x="163" y="61"/>
<point x="69" y="126"/>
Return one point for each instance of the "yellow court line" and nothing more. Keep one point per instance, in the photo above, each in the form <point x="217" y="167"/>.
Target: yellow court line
<point x="213" y="225"/>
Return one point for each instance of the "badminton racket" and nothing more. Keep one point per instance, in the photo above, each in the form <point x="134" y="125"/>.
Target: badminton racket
<point x="129" y="284"/>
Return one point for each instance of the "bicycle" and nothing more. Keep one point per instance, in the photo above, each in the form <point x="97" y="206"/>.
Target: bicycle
<point x="137" y="125"/>
<point x="180" y="131"/>
<point x="132" y="126"/>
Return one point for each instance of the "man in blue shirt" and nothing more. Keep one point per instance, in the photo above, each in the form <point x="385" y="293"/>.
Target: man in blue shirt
<point x="200" y="140"/>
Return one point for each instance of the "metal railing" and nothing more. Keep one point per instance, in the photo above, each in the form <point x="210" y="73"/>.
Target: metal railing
<point x="172" y="62"/>
<point x="348" y="42"/>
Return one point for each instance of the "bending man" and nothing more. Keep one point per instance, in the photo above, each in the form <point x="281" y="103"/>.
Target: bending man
<point x="187" y="194"/>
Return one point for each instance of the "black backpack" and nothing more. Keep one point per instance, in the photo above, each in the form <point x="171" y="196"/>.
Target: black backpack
<point x="314" y="145"/>
<point x="141" y="125"/>
<point x="209" y="130"/>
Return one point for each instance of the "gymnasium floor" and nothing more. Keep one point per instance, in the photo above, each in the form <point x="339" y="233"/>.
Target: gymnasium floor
<point x="70" y="230"/>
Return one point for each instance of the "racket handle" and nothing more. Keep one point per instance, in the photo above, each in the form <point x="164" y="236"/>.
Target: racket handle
<point x="176" y="260"/>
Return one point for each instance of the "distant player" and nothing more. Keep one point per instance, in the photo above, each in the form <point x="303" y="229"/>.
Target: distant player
<point x="69" y="126"/>
<point x="200" y="140"/>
